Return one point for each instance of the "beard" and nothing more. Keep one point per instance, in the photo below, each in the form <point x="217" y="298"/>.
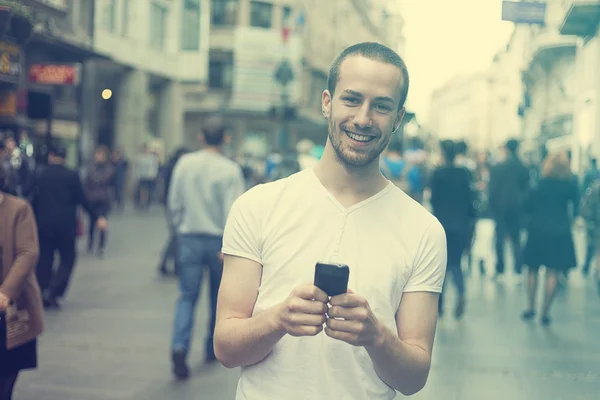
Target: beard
<point x="350" y="157"/>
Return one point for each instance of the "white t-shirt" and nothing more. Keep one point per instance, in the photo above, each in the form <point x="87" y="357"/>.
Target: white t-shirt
<point x="391" y="244"/>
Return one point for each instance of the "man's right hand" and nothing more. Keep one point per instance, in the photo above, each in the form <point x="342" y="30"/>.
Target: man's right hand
<point x="303" y="313"/>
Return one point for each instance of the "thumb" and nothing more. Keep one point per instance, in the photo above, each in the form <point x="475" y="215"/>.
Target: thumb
<point x="350" y="291"/>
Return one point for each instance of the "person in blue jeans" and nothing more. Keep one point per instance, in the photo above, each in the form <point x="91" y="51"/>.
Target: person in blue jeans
<point x="203" y="188"/>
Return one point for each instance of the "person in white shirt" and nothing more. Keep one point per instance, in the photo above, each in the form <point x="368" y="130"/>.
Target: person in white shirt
<point x="291" y="340"/>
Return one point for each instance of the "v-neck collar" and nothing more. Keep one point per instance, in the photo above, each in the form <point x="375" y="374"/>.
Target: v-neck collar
<point x="354" y="207"/>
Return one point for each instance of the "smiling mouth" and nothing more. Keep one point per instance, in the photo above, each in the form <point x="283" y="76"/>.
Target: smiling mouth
<point x="359" y="138"/>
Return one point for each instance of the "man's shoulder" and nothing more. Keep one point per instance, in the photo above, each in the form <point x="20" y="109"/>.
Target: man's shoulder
<point x="268" y="194"/>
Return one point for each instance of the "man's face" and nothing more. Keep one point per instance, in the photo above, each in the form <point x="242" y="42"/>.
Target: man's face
<point x="10" y="144"/>
<point x="100" y="156"/>
<point x="363" y="112"/>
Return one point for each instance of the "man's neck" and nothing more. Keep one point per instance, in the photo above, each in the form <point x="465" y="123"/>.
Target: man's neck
<point x="341" y="180"/>
<point x="214" y="149"/>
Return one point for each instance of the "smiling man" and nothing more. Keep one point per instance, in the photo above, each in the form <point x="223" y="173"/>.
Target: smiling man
<point x="293" y="341"/>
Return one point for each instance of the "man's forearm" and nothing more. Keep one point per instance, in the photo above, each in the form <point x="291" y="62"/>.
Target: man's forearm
<point x="243" y="342"/>
<point x="401" y="365"/>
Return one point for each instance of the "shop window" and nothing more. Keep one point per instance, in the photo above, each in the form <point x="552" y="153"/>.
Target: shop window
<point x="224" y="12"/>
<point x="261" y="14"/>
<point x="190" y="27"/>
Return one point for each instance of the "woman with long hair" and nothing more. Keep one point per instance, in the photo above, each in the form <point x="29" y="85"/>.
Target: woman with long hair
<point x="452" y="200"/>
<point x="550" y="238"/>
<point x="21" y="310"/>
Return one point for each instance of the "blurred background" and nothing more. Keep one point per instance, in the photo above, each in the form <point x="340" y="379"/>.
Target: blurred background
<point x="141" y="76"/>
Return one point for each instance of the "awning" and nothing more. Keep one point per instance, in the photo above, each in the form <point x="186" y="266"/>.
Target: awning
<point x="582" y="18"/>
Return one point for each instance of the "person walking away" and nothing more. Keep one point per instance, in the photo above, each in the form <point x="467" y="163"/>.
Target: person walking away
<point x="452" y="202"/>
<point x="509" y="186"/>
<point x="550" y="237"/>
<point x="21" y="311"/>
<point x="97" y="190"/>
<point x="590" y="211"/>
<point x="170" y="251"/>
<point x="121" y="166"/>
<point x="591" y="176"/>
<point x="204" y="185"/>
<point x="57" y="193"/>
<point x="147" y="168"/>
<point x="292" y="340"/>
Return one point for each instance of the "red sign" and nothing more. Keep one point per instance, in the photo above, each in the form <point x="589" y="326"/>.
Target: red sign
<point x="49" y="74"/>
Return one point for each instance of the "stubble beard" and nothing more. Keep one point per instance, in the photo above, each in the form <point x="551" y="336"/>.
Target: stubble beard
<point x="349" y="160"/>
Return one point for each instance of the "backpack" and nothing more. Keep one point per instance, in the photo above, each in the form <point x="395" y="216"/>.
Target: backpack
<point x="590" y="204"/>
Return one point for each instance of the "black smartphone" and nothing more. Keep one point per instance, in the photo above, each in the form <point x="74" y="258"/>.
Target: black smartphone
<point x="332" y="278"/>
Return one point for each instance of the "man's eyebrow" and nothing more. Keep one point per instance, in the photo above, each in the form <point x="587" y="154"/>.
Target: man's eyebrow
<point x="379" y="98"/>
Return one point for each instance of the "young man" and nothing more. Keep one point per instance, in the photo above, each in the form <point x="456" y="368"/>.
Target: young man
<point x="204" y="185"/>
<point x="292" y="341"/>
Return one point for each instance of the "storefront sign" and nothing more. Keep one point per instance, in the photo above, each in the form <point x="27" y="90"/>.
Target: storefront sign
<point x="53" y="74"/>
<point x="10" y="59"/>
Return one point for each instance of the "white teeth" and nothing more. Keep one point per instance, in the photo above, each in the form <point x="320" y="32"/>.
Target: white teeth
<point x="359" y="138"/>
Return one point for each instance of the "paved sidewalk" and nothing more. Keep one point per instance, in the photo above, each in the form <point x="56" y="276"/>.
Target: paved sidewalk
<point x="111" y="339"/>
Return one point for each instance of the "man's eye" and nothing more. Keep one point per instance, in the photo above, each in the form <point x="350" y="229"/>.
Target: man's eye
<point x="382" y="108"/>
<point x="351" y="100"/>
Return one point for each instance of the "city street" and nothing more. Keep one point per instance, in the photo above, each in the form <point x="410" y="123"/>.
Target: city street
<point x="111" y="339"/>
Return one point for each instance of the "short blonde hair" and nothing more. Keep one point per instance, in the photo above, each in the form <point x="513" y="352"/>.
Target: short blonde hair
<point x="557" y="166"/>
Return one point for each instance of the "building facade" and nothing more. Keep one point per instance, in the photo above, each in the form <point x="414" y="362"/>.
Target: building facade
<point x="247" y="45"/>
<point x="460" y="110"/>
<point x="151" y="50"/>
<point x="581" y="20"/>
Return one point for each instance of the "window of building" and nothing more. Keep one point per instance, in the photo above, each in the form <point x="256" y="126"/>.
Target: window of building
<point x="190" y="26"/>
<point x="220" y="72"/>
<point x="125" y="18"/>
<point x="158" y="26"/>
<point x="108" y="15"/>
<point x="224" y="12"/>
<point x="286" y="15"/>
<point x="261" y="14"/>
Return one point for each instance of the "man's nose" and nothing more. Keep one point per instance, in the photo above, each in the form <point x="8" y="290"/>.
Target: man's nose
<point x="363" y="117"/>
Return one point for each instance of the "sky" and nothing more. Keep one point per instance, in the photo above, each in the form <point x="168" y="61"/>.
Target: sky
<point x="446" y="38"/>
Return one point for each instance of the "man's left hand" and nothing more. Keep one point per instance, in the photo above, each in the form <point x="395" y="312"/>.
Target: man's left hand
<point x="359" y="326"/>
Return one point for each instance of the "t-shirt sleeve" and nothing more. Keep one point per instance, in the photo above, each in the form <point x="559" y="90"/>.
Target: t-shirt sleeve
<point x="429" y="269"/>
<point x="242" y="235"/>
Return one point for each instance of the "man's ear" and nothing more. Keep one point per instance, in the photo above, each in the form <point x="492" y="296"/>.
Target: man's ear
<point x="399" y="118"/>
<point x="326" y="99"/>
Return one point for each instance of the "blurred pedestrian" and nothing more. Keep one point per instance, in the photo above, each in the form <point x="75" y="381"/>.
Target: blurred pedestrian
<point x="120" y="166"/>
<point x="452" y="201"/>
<point x="508" y="188"/>
<point x="273" y="321"/>
<point x="56" y="195"/>
<point x="590" y="211"/>
<point x="147" y="169"/>
<point x="97" y="189"/>
<point x="170" y="252"/>
<point x="21" y="311"/>
<point x="204" y="185"/>
<point x="550" y="237"/>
